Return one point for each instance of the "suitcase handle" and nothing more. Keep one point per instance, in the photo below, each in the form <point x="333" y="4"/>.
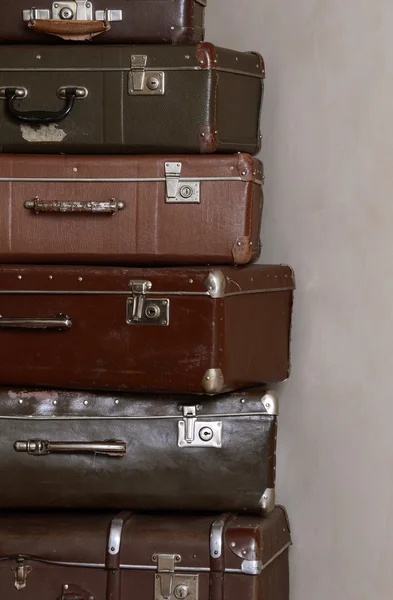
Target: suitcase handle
<point x="59" y="322"/>
<point x="40" y="117"/>
<point x="43" y="448"/>
<point x="77" y="31"/>
<point x="110" y="207"/>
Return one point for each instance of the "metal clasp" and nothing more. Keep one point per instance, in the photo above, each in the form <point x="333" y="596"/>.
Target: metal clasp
<point x="144" y="82"/>
<point x="146" y="311"/>
<point x="178" y="192"/>
<point x="171" y="586"/>
<point x="194" y="433"/>
<point x="20" y="574"/>
<point x="73" y="10"/>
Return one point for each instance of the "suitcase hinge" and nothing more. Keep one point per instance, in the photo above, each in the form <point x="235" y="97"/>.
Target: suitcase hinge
<point x="20" y="574"/>
<point x="170" y="585"/>
<point x="73" y="10"/>
<point x="176" y="191"/>
<point x="142" y="82"/>
<point x="146" y="311"/>
<point x="194" y="433"/>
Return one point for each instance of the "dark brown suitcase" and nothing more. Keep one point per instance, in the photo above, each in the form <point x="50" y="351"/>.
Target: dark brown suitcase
<point x="197" y="330"/>
<point x="127" y="21"/>
<point x="146" y="557"/>
<point x="81" y="450"/>
<point x="163" y="210"/>
<point x="155" y="99"/>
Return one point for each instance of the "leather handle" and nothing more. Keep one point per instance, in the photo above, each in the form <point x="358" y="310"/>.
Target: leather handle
<point x="59" y="322"/>
<point x="44" y="448"/>
<point x="70" y="29"/>
<point x="39" y="206"/>
<point x="40" y="117"/>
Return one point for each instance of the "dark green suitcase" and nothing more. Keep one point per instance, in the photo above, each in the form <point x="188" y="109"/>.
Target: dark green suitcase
<point x="129" y="99"/>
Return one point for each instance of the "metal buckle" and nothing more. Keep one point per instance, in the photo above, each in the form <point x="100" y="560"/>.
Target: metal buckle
<point x="176" y="191"/>
<point x="73" y="10"/>
<point x="142" y="82"/>
<point x="146" y="311"/>
<point x="193" y="433"/>
<point x="171" y="586"/>
<point x="20" y="575"/>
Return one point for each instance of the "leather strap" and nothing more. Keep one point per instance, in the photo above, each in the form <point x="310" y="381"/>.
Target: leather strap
<point x="217" y="556"/>
<point x="113" y="555"/>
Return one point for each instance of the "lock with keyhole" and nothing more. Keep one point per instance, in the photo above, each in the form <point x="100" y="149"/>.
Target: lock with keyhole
<point x="66" y="14"/>
<point x="152" y="311"/>
<point x="206" y="434"/>
<point x="181" y="591"/>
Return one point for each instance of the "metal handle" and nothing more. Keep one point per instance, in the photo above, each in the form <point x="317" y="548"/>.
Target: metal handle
<point x="41" y="117"/>
<point x="44" y="447"/>
<point x="110" y="207"/>
<point x="59" y="322"/>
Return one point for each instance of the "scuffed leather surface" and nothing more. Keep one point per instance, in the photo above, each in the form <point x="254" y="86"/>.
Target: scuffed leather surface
<point x="142" y="233"/>
<point x="155" y="474"/>
<point x="143" y="21"/>
<point x="113" y="121"/>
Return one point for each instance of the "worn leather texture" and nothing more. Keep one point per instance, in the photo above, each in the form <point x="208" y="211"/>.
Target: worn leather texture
<point x="209" y="105"/>
<point x="144" y="21"/>
<point x="42" y="540"/>
<point x="243" y="333"/>
<point x="223" y="228"/>
<point x="185" y="478"/>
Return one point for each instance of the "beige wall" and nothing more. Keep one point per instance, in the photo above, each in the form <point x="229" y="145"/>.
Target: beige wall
<point x="328" y="151"/>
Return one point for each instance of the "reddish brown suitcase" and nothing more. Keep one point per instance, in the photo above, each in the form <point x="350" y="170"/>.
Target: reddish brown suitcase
<point x="145" y="557"/>
<point x="127" y="21"/>
<point x="197" y="330"/>
<point x="130" y="209"/>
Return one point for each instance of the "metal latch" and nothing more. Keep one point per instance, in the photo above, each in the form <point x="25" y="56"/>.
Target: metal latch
<point x="73" y="10"/>
<point x="170" y="585"/>
<point x="178" y="191"/>
<point x="193" y="433"/>
<point x="20" y="575"/>
<point x="146" y="311"/>
<point x="143" y="82"/>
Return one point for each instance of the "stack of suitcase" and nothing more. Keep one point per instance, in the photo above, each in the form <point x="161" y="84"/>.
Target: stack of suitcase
<point x="138" y="427"/>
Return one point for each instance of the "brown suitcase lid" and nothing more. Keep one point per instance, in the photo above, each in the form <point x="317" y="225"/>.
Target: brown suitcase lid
<point x="160" y="57"/>
<point x="249" y="543"/>
<point x="123" y="169"/>
<point x="217" y="283"/>
<point x="44" y="404"/>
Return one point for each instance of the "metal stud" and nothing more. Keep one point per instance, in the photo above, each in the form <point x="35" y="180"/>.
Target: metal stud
<point x="19" y="277"/>
<point x="85" y="402"/>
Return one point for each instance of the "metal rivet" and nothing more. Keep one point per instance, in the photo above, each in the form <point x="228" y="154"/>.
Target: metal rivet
<point x="243" y="401"/>
<point x="187" y="57"/>
<point x="265" y="497"/>
<point x="65" y="587"/>
<point x="194" y="556"/>
<point x="19" y="276"/>
<point x="231" y="168"/>
<point x="164" y="323"/>
<point x="80" y="278"/>
<point x="38" y="57"/>
<point x="50" y="277"/>
<point x="190" y="281"/>
<point x="75" y="169"/>
<point x="203" y="134"/>
<point x="55" y="402"/>
<point x="173" y="28"/>
<point x="244" y="173"/>
<point x="239" y="243"/>
<point x="113" y="549"/>
<point x="233" y="544"/>
<point x="267" y="404"/>
<point x="21" y="401"/>
<point x="201" y="62"/>
<point x="117" y="401"/>
<point x="244" y="552"/>
<point x="215" y="551"/>
<point x="207" y="378"/>
<point x="86" y="402"/>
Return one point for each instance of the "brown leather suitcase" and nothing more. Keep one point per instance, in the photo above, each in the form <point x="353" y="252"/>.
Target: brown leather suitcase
<point x="76" y="556"/>
<point x="197" y="330"/>
<point x="127" y="21"/>
<point x="163" y="210"/>
<point x="157" y="99"/>
<point x="76" y="450"/>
